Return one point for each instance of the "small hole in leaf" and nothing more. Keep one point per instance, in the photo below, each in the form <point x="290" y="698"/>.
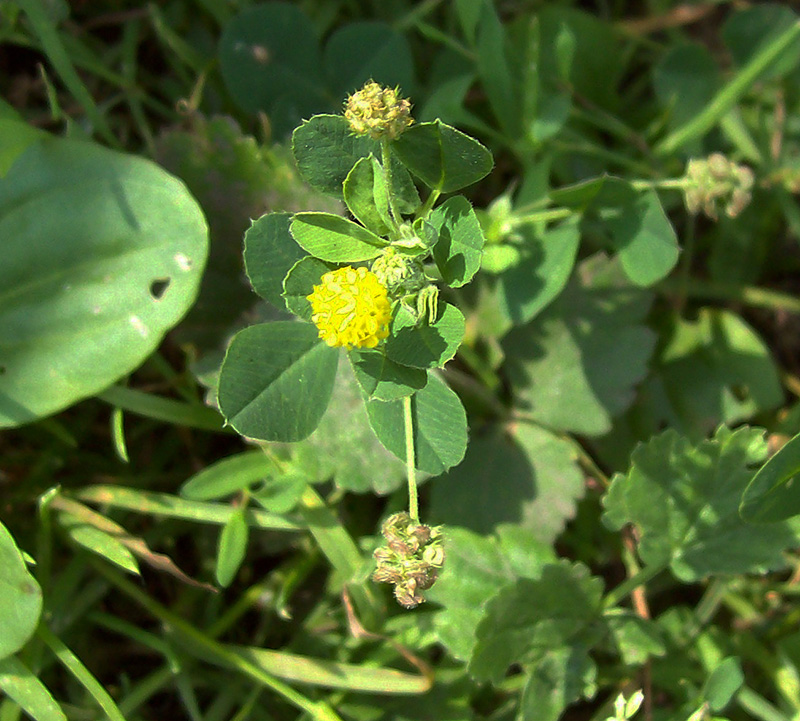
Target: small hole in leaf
<point x="158" y="287"/>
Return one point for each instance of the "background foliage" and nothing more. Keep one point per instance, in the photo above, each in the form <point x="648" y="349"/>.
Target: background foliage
<point x="625" y="513"/>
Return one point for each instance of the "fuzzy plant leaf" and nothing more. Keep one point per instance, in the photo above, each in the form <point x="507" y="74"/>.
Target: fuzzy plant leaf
<point x="459" y="247"/>
<point x="522" y="474"/>
<point x="299" y="283"/>
<point x="576" y="365"/>
<point x="335" y="239"/>
<point x="344" y="448"/>
<point x="276" y="381"/>
<point x="684" y="500"/>
<point x="326" y="150"/>
<point x="269" y="252"/>
<point x="22" y="686"/>
<point x="563" y="675"/>
<point x="381" y="378"/>
<point x="424" y="345"/>
<point x="529" y="618"/>
<point x="477" y="567"/>
<point x="443" y="158"/>
<point x="366" y="194"/>
<point x="271" y="62"/>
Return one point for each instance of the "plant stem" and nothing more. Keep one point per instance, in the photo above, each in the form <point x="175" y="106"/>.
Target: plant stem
<point x="386" y="161"/>
<point x="413" y="501"/>
<point x="727" y="97"/>
<point x="427" y="206"/>
<point x="542" y="216"/>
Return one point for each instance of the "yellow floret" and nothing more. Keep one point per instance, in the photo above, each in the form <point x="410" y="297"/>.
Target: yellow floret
<point x="351" y="308"/>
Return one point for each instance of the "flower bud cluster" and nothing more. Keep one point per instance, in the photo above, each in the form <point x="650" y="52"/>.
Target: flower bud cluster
<point x="400" y="273"/>
<point x="410" y="560"/>
<point x="378" y="112"/>
<point x="716" y="183"/>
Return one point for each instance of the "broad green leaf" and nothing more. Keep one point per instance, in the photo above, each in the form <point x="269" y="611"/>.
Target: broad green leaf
<point x="382" y="379"/>
<point x="523" y="475"/>
<point x="683" y="81"/>
<point x="344" y="447"/>
<point x="541" y="273"/>
<point x="228" y="476"/>
<point x="440" y="426"/>
<point x="723" y="683"/>
<point x="476" y="568"/>
<point x="269" y="252"/>
<point x="643" y="237"/>
<point x="442" y="157"/>
<point x="271" y="62"/>
<point x="98" y="542"/>
<point x="300" y="282"/>
<point x="276" y="381"/>
<point x="529" y="618"/>
<point x="367" y="197"/>
<point x="423" y="345"/>
<point x="232" y="547"/>
<point x="326" y="150"/>
<point x="684" y="498"/>
<point x="715" y="369"/>
<point x="21" y="685"/>
<point x="748" y="31"/>
<point x="773" y="494"/>
<point x="15" y="137"/>
<point x="103" y="253"/>
<point x="333" y="238"/>
<point x="367" y="50"/>
<point x="459" y="248"/>
<point x="20" y="597"/>
<point x="579" y="195"/>
<point x="576" y="365"/>
<point x="562" y="676"/>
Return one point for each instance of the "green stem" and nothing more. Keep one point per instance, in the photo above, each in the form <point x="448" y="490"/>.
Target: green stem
<point x="627" y="587"/>
<point x="666" y="184"/>
<point x="427" y="206"/>
<point x="727" y="97"/>
<point x="413" y="501"/>
<point x="386" y="161"/>
<point x="542" y="216"/>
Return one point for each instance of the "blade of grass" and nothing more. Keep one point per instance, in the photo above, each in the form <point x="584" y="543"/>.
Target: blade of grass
<point x="164" y="409"/>
<point x="164" y="504"/>
<point x="74" y="665"/>
<point x="60" y="60"/>
<point x="215" y="652"/>
<point x="727" y="97"/>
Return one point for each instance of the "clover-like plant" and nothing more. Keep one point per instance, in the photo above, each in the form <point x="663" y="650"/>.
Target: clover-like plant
<point x="370" y="285"/>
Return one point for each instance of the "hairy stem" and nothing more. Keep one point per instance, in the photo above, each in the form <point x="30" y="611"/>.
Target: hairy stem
<point x="413" y="501"/>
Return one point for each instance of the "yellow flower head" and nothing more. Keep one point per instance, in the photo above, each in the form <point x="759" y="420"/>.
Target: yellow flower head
<point x="378" y="112"/>
<point x="351" y="308"/>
